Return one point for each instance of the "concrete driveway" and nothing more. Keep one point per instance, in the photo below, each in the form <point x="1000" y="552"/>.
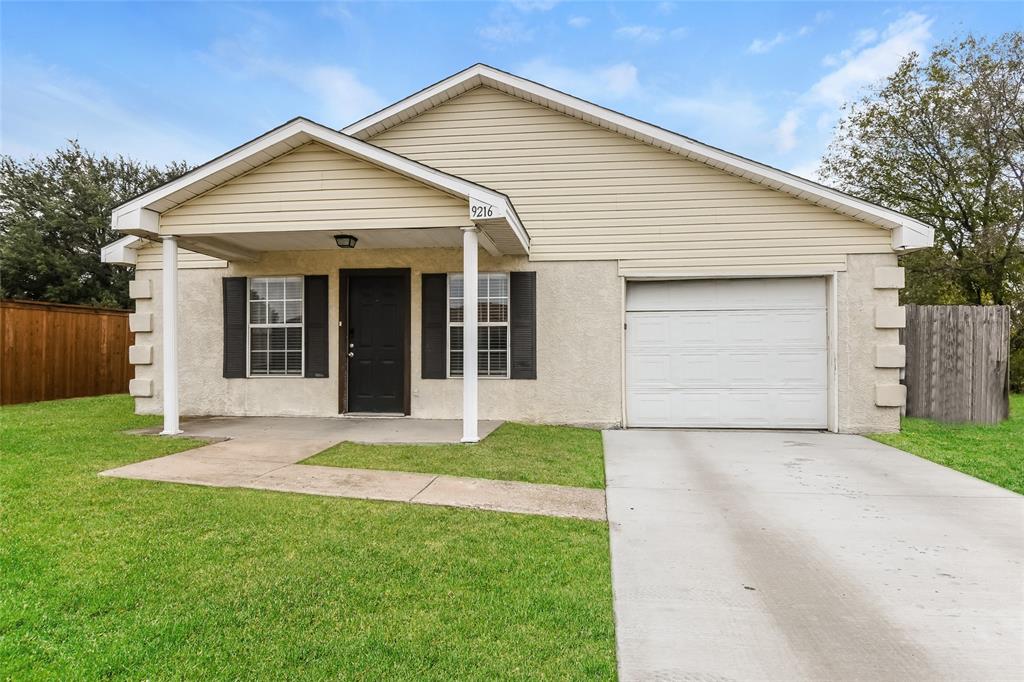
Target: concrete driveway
<point x="789" y="556"/>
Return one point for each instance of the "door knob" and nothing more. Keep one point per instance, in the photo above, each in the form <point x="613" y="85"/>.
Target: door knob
<point x="351" y="354"/>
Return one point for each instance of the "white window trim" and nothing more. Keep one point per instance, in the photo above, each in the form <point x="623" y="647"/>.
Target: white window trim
<point x="249" y="325"/>
<point x="448" y="327"/>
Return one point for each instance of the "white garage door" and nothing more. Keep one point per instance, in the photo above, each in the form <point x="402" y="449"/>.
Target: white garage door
<point x="747" y="353"/>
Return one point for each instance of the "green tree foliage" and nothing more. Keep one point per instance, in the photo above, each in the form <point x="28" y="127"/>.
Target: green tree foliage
<point x="942" y="140"/>
<point x="55" y="217"/>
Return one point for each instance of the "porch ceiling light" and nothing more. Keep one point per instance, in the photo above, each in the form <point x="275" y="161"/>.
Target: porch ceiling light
<point x="345" y="241"/>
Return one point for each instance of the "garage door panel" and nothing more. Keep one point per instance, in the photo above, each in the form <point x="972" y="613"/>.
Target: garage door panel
<point x="733" y="353"/>
<point x="661" y="370"/>
<point x="725" y="294"/>
<point x="805" y="369"/>
<point x="801" y="328"/>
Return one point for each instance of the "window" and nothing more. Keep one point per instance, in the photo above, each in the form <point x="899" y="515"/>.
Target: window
<point x="492" y="332"/>
<point x="275" y="326"/>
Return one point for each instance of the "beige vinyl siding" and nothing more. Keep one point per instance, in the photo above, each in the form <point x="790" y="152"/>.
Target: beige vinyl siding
<point x="584" y="192"/>
<point x="150" y="257"/>
<point x="316" y="188"/>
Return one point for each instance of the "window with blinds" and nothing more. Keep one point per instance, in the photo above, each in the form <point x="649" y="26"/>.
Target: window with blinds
<point x="275" y="326"/>
<point x="492" y="320"/>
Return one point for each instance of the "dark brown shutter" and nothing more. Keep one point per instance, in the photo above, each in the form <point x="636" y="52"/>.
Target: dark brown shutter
<point x="315" y="322"/>
<point x="236" y="295"/>
<point x="435" y="321"/>
<point x="523" y="325"/>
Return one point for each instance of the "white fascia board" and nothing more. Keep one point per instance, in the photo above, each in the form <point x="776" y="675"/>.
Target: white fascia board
<point x="912" y="237"/>
<point x="136" y="216"/>
<point x="121" y="252"/>
<point x="137" y="220"/>
<point x="503" y="209"/>
<point x="481" y="74"/>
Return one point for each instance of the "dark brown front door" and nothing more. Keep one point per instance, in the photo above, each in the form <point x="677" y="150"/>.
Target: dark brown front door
<point x="376" y="343"/>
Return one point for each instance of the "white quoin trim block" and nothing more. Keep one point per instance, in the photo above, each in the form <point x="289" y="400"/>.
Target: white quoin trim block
<point x="140" y="354"/>
<point x="469" y="331"/>
<point x="890" y="278"/>
<point x="140" y="288"/>
<point x="890" y="395"/>
<point x="890" y="317"/>
<point x="140" y="388"/>
<point x="170" y="335"/>
<point x="890" y="356"/>
<point x="140" y="322"/>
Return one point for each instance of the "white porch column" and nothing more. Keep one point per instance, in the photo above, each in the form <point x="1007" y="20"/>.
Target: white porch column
<point x="170" y="335"/>
<point x="469" y="327"/>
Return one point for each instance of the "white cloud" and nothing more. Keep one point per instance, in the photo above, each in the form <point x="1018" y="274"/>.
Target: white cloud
<point x="506" y="25"/>
<point x="764" y="45"/>
<point x="336" y="10"/>
<point x="506" y="32"/>
<point x="909" y="33"/>
<point x="722" y="116"/>
<point x="864" y="37"/>
<point x="665" y="8"/>
<point x="339" y="97"/>
<point x="649" y="35"/>
<point x="640" y="33"/>
<point x="860" y="39"/>
<point x="345" y="98"/>
<point x="806" y="169"/>
<point x="871" y="56"/>
<point x="579" y="21"/>
<point x="44" y="106"/>
<point x="613" y="82"/>
<point x="785" y="132"/>
<point x="760" y="46"/>
<point x="534" y="5"/>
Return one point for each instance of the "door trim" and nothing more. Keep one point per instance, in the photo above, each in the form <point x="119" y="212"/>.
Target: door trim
<point x="344" y="275"/>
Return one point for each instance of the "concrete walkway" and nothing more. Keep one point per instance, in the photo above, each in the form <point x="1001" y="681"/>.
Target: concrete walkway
<point x="808" y="556"/>
<point x="272" y="464"/>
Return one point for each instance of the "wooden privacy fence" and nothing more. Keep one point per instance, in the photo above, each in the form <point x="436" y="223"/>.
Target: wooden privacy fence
<point x="50" y="351"/>
<point x="957" y="362"/>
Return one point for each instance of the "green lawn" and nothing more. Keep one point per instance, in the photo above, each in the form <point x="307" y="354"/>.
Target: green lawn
<point x="993" y="453"/>
<point x="113" y="578"/>
<point x="562" y="455"/>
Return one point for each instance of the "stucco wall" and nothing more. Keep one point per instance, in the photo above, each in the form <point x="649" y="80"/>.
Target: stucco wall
<point x="857" y="341"/>
<point x="578" y="341"/>
<point x="578" y="338"/>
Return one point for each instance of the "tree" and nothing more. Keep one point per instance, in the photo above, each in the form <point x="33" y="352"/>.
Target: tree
<point x="942" y="140"/>
<point x="55" y="217"/>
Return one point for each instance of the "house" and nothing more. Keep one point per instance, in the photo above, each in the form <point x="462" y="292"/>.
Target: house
<point x="623" y="275"/>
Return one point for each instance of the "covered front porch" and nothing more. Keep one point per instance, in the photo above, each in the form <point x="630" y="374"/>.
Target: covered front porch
<point x="353" y="225"/>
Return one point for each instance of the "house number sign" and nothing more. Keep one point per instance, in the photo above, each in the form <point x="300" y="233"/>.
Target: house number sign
<point x="481" y="211"/>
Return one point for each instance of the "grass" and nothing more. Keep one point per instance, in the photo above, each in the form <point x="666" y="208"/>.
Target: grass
<point x="993" y="453"/>
<point x="561" y="455"/>
<point x="111" y="578"/>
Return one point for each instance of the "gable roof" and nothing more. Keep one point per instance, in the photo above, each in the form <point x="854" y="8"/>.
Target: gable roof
<point x="907" y="233"/>
<point x="139" y="215"/>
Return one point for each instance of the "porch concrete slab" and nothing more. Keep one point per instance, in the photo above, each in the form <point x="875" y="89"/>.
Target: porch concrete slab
<point x="365" y="484"/>
<point x="514" y="496"/>
<point x="275" y="450"/>
<point x="335" y="429"/>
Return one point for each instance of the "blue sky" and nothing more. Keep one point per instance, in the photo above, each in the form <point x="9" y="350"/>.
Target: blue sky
<point x="163" y="81"/>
